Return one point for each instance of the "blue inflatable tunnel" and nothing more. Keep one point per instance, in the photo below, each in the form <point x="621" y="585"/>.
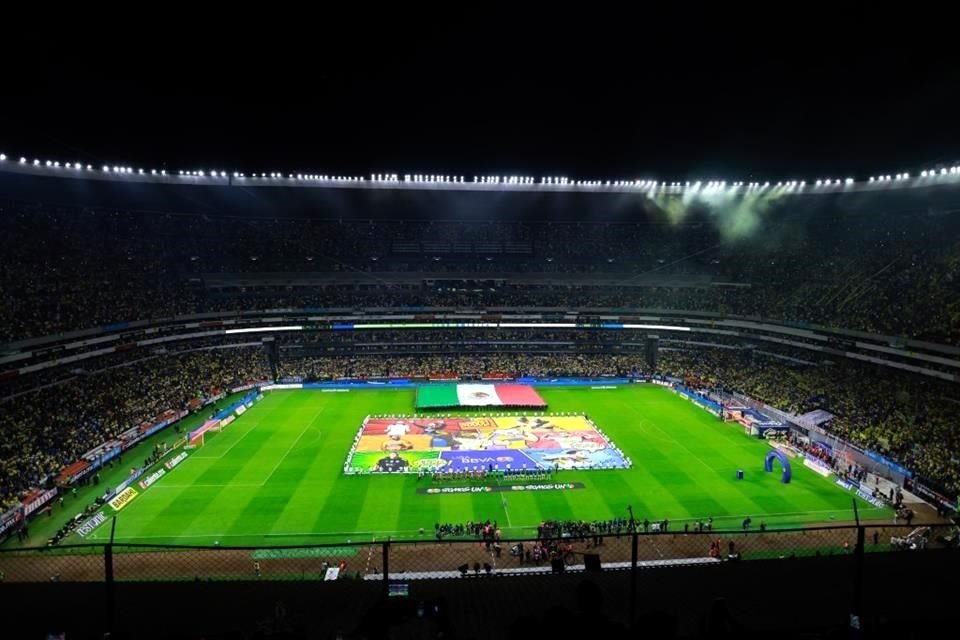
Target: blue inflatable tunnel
<point x="776" y="454"/>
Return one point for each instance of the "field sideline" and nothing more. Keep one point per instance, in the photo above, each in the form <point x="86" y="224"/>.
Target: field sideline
<point x="275" y="476"/>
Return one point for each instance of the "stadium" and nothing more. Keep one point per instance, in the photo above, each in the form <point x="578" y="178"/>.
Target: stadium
<point x="458" y="347"/>
<point x="322" y="388"/>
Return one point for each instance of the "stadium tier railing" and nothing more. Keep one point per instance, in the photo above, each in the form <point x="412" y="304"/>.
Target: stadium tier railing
<point x="635" y="563"/>
<point x="439" y="556"/>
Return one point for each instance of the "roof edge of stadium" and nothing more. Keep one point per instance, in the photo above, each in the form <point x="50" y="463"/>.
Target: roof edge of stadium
<point x="217" y="177"/>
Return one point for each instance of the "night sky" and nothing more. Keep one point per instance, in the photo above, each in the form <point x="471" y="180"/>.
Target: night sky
<point x="814" y="92"/>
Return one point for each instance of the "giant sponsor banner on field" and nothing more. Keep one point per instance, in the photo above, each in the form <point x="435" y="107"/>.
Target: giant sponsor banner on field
<point x="394" y="462"/>
<point x="567" y="459"/>
<point x="482" y="443"/>
<point x="488" y="459"/>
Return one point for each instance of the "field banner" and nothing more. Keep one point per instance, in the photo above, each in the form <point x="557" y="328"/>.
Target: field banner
<point x="153" y="477"/>
<point x="87" y="527"/>
<point x="817" y="466"/>
<point x="9" y="519"/>
<point x="175" y="460"/>
<point x="446" y="396"/>
<point x="70" y="472"/>
<point x="123" y="498"/>
<point x="497" y="488"/>
<point x="481" y="443"/>
<point x="37" y="499"/>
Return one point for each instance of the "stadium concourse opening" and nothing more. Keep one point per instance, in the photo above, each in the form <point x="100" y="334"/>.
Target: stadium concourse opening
<point x="452" y="396"/>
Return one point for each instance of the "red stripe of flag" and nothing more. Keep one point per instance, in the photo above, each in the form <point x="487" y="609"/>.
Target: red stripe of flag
<point x="519" y="395"/>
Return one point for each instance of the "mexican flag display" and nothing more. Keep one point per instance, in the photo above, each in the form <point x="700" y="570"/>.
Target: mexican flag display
<point x="448" y="396"/>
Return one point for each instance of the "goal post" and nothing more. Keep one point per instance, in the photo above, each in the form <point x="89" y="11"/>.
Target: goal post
<point x="197" y="437"/>
<point x="195" y="440"/>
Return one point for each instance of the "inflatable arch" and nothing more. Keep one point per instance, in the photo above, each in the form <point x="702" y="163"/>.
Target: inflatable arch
<point x="776" y="454"/>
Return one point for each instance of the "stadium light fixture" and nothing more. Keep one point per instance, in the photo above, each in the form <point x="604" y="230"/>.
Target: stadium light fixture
<point x="264" y="329"/>
<point x="23" y="160"/>
<point x="3" y="157"/>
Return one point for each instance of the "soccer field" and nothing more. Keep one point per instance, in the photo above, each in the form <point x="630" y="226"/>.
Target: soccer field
<point x="276" y="476"/>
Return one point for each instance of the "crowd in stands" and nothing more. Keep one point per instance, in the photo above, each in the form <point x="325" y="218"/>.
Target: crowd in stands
<point x="68" y="269"/>
<point x="578" y="365"/>
<point x="45" y="430"/>
<point x="844" y="469"/>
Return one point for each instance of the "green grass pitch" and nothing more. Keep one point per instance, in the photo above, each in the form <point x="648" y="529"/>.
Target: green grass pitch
<point x="275" y="476"/>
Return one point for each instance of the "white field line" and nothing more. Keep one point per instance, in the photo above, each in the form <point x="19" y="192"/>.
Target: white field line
<point x="670" y="437"/>
<point x="302" y="433"/>
<point x="214" y="486"/>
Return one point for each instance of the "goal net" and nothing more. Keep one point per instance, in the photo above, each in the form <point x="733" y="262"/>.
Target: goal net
<point x="196" y="437"/>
